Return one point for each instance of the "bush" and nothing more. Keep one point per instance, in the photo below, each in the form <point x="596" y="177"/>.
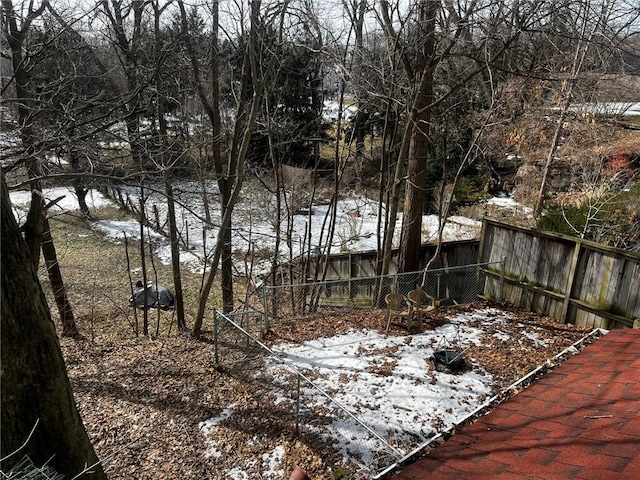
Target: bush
<point x="613" y="219"/>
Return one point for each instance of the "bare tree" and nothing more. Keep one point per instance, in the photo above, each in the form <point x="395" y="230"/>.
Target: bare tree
<point x="16" y="31"/>
<point x="39" y="415"/>
<point x="128" y="51"/>
<point x="589" y="19"/>
<point x="230" y="176"/>
<point x="166" y="166"/>
<point x="37" y="229"/>
<point x="414" y="146"/>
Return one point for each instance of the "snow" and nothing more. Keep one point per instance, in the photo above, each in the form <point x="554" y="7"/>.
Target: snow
<point x="408" y="403"/>
<point x="271" y="461"/>
<point x="361" y="352"/>
<point x="609" y="108"/>
<point x="505" y="202"/>
<point x="254" y="225"/>
<point x="331" y="109"/>
<point x="209" y="425"/>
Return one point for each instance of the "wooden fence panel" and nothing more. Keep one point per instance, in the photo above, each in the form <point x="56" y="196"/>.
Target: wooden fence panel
<point x="563" y="277"/>
<point x="363" y="264"/>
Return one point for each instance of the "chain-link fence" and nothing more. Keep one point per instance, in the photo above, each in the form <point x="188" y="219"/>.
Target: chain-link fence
<point x="449" y="286"/>
<point x="291" y="400"/>
<point x="294" y="404"/>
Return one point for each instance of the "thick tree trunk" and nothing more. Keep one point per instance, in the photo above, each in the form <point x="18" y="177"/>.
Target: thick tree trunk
<point x="37" y="234"/>
<point x="35" y="387"/>
<point x="415" y="193"/>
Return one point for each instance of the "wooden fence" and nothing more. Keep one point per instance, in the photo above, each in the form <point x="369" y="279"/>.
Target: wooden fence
<point x="563" y="277"/>
<point x="363" y="264"/>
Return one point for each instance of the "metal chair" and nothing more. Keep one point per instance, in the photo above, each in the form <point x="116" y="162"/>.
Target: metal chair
<point x="397" y="306"/>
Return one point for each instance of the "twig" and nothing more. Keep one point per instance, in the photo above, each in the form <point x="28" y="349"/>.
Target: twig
<point x="25" y="442"/>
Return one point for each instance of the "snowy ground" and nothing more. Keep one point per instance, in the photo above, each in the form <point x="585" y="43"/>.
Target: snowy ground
<point x="254" y="229"/>
<point x="609" y="108"/>
<point x="389" y="382"/>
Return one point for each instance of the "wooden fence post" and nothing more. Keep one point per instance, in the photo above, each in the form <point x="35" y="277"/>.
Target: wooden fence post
<point x="570" y="280"/>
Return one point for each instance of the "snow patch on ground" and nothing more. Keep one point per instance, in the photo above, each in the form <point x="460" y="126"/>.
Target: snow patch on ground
<point x="389" y="382"/>
<point x="209" y="425"/>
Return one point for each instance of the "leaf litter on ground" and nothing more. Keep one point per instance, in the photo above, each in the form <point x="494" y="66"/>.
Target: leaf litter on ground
<point x="160" y="409"/>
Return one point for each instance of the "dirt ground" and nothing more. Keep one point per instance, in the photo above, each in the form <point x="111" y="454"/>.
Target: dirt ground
<point x="142" y="400"/>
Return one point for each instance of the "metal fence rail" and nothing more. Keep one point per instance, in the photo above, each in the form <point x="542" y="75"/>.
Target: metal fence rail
<point x="295" y="404"/>
<point x="453" y="285"/>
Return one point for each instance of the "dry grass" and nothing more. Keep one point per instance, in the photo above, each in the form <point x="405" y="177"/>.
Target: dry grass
<point x="97" y="275"/>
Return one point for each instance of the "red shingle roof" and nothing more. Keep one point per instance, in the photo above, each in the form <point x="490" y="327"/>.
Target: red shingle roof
<point x="580" y="421"/>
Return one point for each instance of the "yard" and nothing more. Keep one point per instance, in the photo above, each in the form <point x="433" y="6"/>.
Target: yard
<point x="162" y="408"/>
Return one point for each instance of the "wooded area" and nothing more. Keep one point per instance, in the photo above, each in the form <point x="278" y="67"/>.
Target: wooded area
<point x="422" y="107"/>
<point x="428" y="99"/>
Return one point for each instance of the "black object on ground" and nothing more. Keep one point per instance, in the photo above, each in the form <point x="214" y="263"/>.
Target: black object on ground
<point x="448" y="359"/>
<point x="157" y="297"/>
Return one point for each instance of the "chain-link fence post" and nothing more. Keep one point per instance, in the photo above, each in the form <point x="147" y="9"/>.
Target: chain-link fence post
<point x="265" y="306"/>
<point x="298" y="407"/>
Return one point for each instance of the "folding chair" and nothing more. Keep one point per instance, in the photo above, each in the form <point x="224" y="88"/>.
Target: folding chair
<point x="422" y="303"/>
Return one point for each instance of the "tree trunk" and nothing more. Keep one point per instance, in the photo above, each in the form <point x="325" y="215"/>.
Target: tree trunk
<point x="226" y="254"/>
<point x="225" y="174"/>
<point x="69" y="327"/>
<point x="15" y="35"/>
<point x="143" y="263"/>
<point x="81" y="193"/>
<point x="566" y="95"/>
<point x="175" y="255"/>
<point x="358" y="24"/>
<point x="166" y="165"/>
<point x="36" y="228"/>
<point x="36" y="393"/>
<point x="225" y="179"/>
<point x="128" y="47"/>
<point x="415" y="193"/>
<point x="238" y="152"/>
